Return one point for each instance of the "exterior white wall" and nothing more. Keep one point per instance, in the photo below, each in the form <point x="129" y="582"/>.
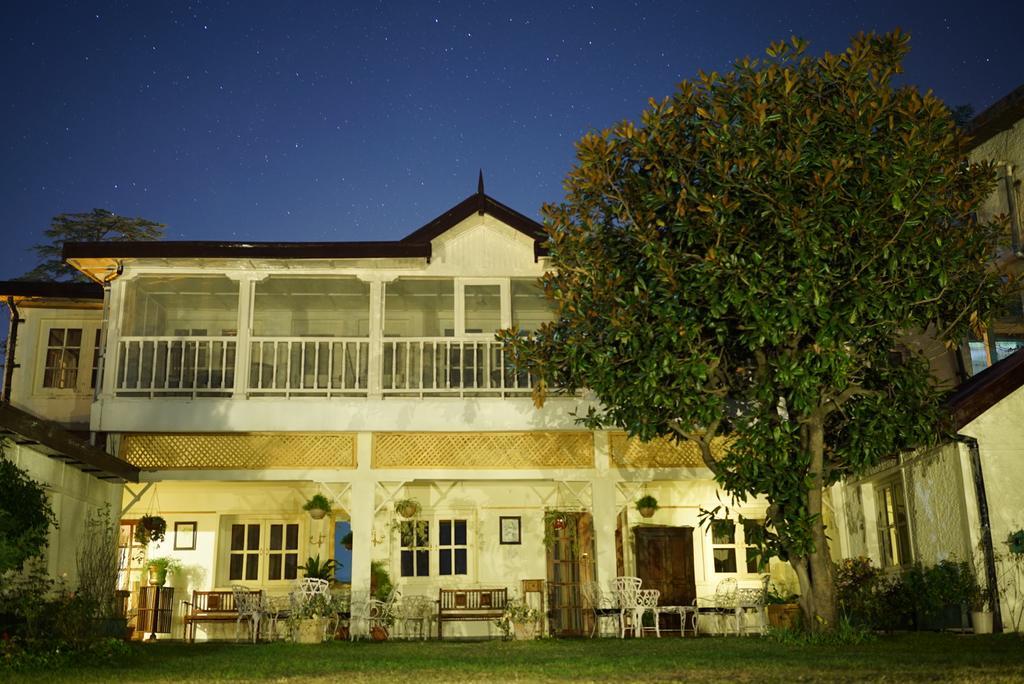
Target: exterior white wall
<point x="66" y="406"/>
<point x="73" y="496"/>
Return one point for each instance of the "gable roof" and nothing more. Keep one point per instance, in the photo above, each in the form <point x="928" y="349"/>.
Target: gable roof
<point x="986" y="389"/>
<point x="92" y="257"/>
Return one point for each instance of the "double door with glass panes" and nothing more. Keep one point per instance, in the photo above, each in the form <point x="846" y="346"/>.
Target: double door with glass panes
<point x="263" y="552"/>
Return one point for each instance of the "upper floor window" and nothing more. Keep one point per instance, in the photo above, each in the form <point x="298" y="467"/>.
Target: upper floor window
<point x="181" y="306"/>
<point x="482" y="306"/>
<point x="530" y="308"/>
<point x="311" y="307"/>
<point x="893" y="532"/>
<point x="63" y="351"/>
<point x="419" y="308"/>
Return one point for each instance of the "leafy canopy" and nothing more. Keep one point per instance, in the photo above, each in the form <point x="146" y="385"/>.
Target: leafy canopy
<point x="745" y="260"/>
<point x="25" y="516"/>
<point x="95" y="226"/>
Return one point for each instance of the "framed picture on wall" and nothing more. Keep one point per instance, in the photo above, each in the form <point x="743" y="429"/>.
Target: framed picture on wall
<point x="509" y="527"/>
<point x="185" y="536"/>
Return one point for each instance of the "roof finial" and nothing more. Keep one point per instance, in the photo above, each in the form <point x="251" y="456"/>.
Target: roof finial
<point x="480" y="183"/>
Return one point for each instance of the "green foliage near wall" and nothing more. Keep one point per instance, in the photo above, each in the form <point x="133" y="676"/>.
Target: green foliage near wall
<point x="25" y="516"/>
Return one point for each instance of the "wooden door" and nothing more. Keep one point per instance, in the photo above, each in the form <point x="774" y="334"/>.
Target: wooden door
<point x="664" y="561"/>
<point x="570" y="560"/>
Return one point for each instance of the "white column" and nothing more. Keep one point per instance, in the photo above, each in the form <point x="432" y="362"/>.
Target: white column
<point x="374" y="366"/>
<point x="604" y="511"/>
<point x="870" y="512"/>
<point x="362" y="511"/>
<point x="242" y="334"/>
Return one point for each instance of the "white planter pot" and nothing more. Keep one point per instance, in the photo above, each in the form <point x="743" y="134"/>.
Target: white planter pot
<point x="310" y="631"/>
<point x="525" y="631"/>
<point x="981" y="620"/>
<point x="317" y="513"/>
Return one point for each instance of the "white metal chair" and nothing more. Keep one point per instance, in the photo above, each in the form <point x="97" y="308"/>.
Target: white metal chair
<point x="721" y="605"/>
<point x="646" y="601"/>
<point x="626" y="589"/>
<point x="416" y="611"/>
<point x="249" y="605"/>
<point x="752" y="601"/>
<point x="603" y="607"/>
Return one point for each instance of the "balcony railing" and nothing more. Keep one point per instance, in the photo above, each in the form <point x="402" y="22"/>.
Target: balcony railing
<point x="444" y="366"/>
<point x="317" y="367"/>
<point x="176" y="366"/>
<point x="323" y="367"/>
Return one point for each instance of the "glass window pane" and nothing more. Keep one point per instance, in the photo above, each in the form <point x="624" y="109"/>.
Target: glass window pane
<point x="407" y="570"/>
<point x="405" y="530"/>
<point x="274" y="567"/>
<point x="74" y="337"/>
<point x="237" y="537"/>
<point x="276" y="536"/>
<point x="419" y="308"/>
<point x="530" y="308"/>
<point x="460" y="561"/>
<point x="422" y="563"/>
<point x="444" y="532"/>
<point x="252" y="564"/>
<point x="460" y="532"/>
<point x="235" y="569"/>
<point x="752" y="564"/>
<point x="723" y="532"/>
<point x="422" y="533"/>
<point x="56" y="337"/>
<point x="181" y="305"/>
<point x="444" y="562"/>
<point x="291" y="566"/>
<point x="725" y="560"/>
<point x="483" y="308"/>
<point x="312" y="307"/>
<point x="291" y="540"/>
<point x="254" y="537"/>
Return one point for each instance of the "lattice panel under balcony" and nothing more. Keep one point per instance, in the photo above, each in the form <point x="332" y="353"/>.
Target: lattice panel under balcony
<point x="246" y="451"/>
<point x="660" y="453"/>
<point x="483" y="450"/>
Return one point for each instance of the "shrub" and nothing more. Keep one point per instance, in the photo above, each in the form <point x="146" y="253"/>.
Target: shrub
<point x="25" y="516"/>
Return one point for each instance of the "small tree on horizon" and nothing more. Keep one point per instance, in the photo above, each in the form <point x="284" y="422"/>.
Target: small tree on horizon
<point x="744" y="263"/>
<point x="95" y="226"/>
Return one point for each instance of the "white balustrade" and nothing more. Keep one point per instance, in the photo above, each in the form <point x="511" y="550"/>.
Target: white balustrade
<point x="449" y="366"/>
<point x="176" y="366"/>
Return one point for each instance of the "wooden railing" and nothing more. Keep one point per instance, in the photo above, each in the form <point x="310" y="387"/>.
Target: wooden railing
<point x="323" y="366"/>
<point x="176" y="366"/>
<point x="317" y="367"/>
<point x="446" y="366"/>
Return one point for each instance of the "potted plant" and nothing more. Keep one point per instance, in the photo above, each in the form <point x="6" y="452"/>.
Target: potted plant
<point x="976" y="596"/>
<point x="1015" y="540"/>
<point x="783" y="609"/>
<point x="318" y="506"/>
<point x="158" y="569"/>
<point x="647" y="505"/>
<point x="347" y="540"/>
<point x="314" y="568"/>
<point x="308" y="622"/>
<point x="519" y="621"/>
<point x="151" y="528"/>
<point x="408" y="508"/>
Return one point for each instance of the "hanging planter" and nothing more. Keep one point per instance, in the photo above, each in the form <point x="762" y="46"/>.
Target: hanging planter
<point x="151" y="528"/>
<point x="408" y="508"/>
<point x="1015" y="541"/>
<point x="561" y="526"/>
<point x="318" y="506"/>
<point x="647" y="505"/>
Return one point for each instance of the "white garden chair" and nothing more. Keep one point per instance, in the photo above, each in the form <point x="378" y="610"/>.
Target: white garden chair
<point x="626" y="589"/>
<point x="646" y="600"/>
<point x="721" y="605"/>
<point x="603" y="607"/>
<point x="249" y="605"/>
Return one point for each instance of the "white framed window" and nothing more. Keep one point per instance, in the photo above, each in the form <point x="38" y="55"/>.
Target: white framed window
<point x="730" y="551"/>
<point x="261" y="551"/>
<point x="893" y="532"/>
<point x="452" y="547"/>
<point x="414" y="536"/>
<point x="63" y="353"/>
<point x="94" y="376"/>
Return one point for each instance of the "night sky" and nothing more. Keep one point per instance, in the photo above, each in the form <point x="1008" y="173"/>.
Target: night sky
<point x="362" y="121"/>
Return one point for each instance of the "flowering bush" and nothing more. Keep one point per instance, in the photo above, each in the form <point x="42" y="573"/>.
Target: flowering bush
<point x="517" y="612"/>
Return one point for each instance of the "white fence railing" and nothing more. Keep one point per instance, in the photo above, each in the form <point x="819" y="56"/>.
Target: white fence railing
<point x="176" y="366"/>
<point x="438" y="366"/>
<point x="317" y="367"/>
<point x="325" y="366"/>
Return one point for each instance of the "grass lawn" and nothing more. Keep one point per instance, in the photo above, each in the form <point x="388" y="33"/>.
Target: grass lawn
<point x="909" y="657"/>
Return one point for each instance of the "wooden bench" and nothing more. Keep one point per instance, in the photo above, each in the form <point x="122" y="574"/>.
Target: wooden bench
<point x="469" y="604"/>
<point x="209" y="606"/>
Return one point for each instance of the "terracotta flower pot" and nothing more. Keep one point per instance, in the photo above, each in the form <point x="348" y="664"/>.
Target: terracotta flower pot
<point x="317" y="513"/>
<point x="407" y="510"/>
<point x="784" y="615"/>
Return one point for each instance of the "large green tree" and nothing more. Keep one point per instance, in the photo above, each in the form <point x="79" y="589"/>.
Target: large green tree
<point x="744" y="263"/>
<point x="94" y="226"/>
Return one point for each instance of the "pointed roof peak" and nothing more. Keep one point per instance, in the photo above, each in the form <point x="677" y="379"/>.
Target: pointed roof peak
<point x="480" y="183"/>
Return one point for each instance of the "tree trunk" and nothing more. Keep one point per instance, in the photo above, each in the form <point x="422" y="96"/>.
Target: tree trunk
<point x="814" y="570"/>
